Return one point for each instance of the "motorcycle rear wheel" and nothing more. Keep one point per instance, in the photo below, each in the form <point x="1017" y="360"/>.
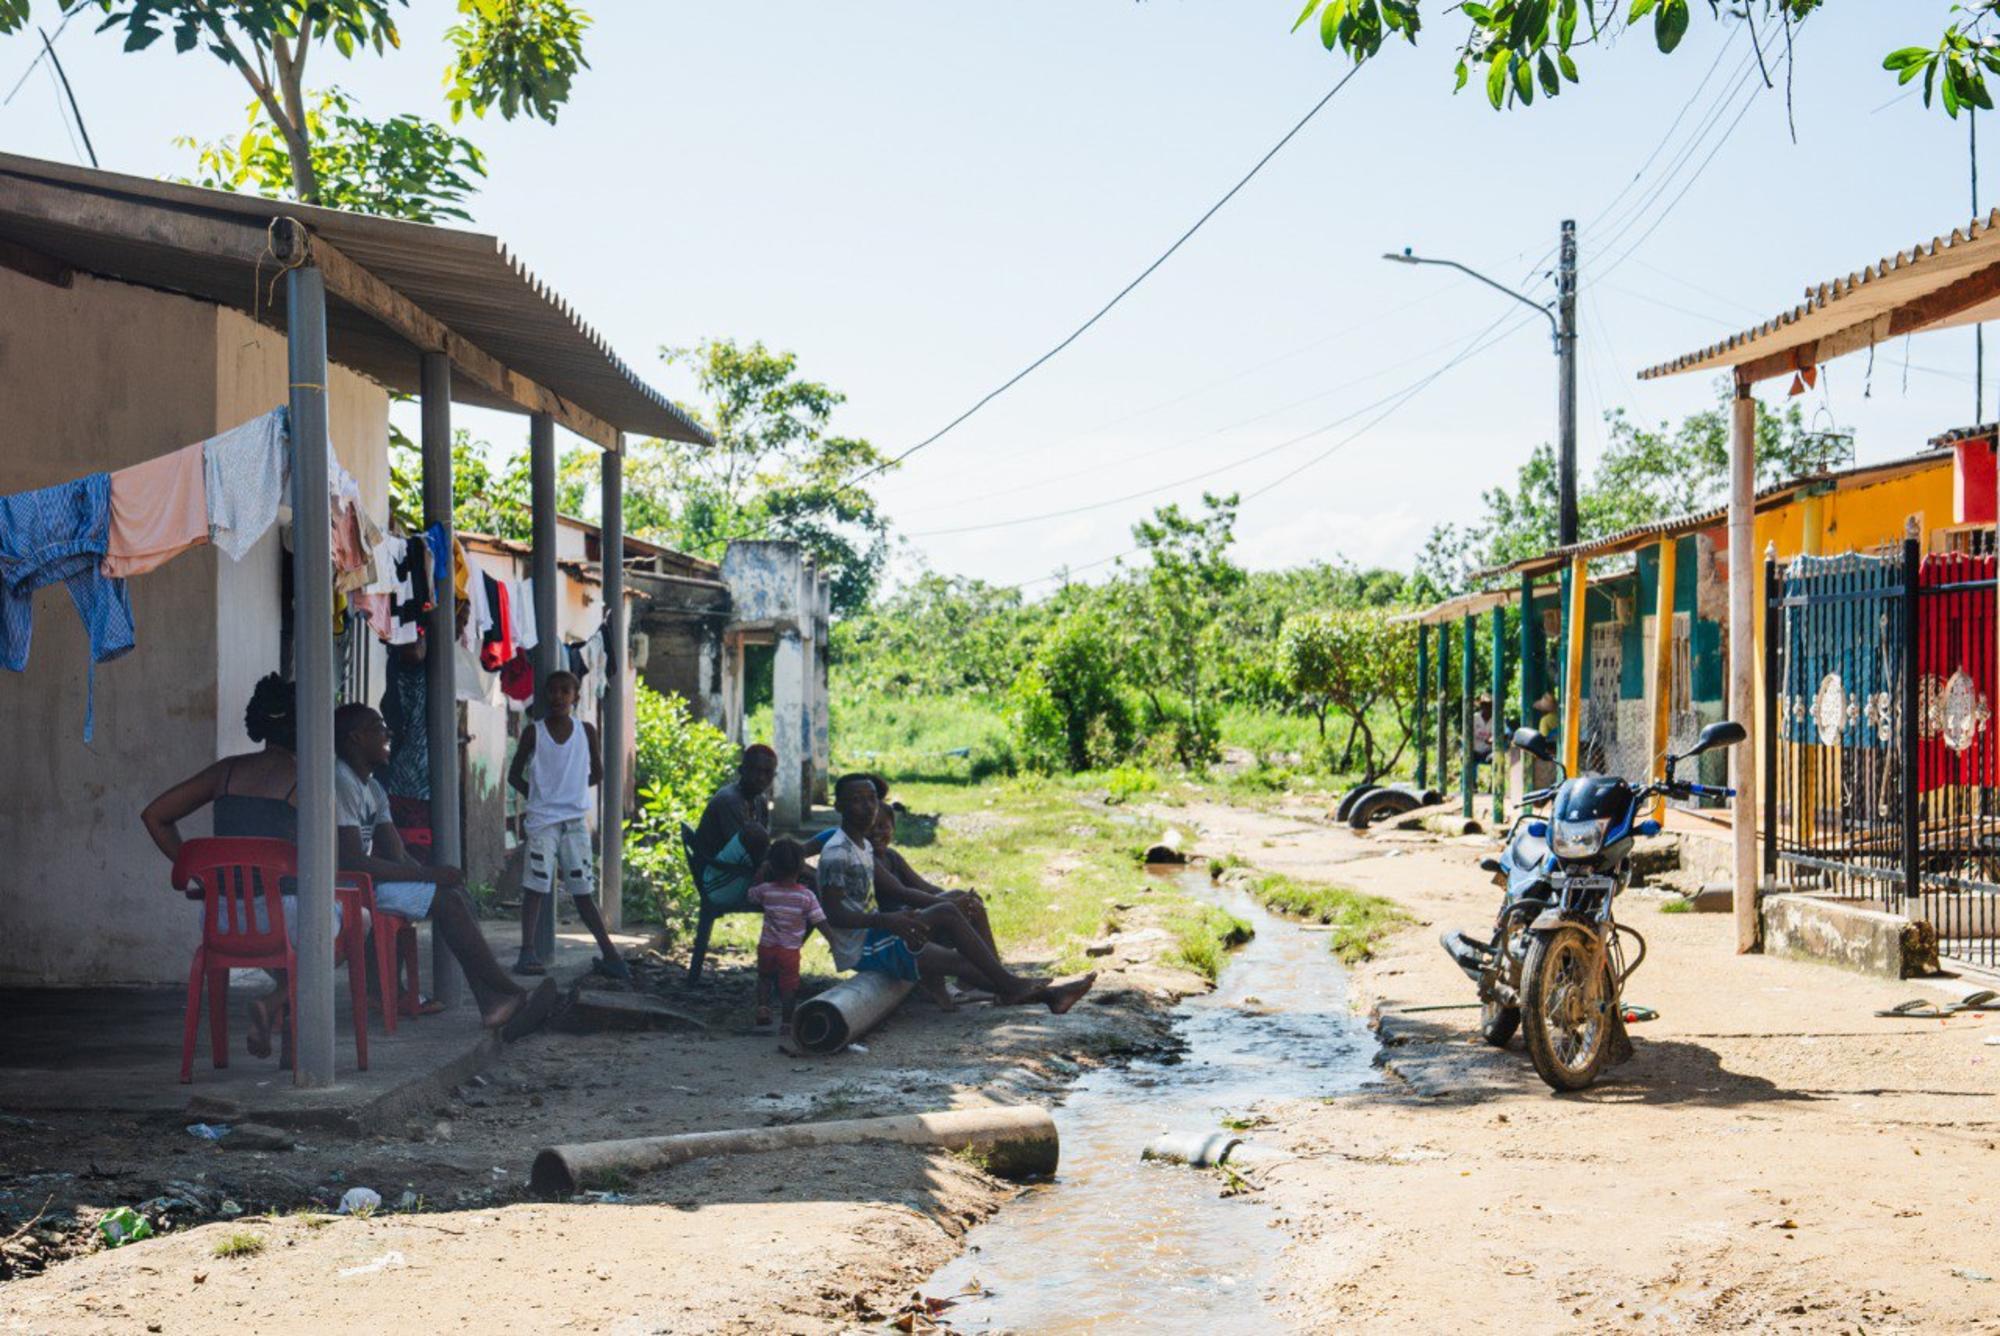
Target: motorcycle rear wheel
<point x="1497" y="1023"/>
<point x="1567" y="1004"/>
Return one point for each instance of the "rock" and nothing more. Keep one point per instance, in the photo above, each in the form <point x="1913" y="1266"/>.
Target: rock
<point x="259" y="1136"/>
<point x="1099" y="949"/>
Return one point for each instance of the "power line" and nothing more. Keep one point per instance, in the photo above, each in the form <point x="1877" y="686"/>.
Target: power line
<point x="1123" y="292"/>
<point x="39" y="57"/>
<point x="63" y="78"/>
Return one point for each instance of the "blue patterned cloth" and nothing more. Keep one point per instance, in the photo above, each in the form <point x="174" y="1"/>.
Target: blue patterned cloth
<point x="59" y="534"/>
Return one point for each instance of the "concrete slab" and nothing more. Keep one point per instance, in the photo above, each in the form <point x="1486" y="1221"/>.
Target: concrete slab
<point x="1853" y="937"/>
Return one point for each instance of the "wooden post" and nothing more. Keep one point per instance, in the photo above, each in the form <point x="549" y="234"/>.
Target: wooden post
<point x="548" y="610"/>
<point x="1572" y="701"/>
<point x="1468" y="769"/>
<point x="1812" y="538"/>
<point x="312" y="660"/>
<point x="611" y="792"/>
<point x="1423" y="703"/>
<point x="1499" y="693"/>
<point x="1663" y="666"/>
<point x="1743" y="655"/>
<point x="441" y="659"/>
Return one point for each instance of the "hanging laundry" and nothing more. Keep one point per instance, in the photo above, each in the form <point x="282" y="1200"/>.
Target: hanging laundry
<point x="573" y="659"/>
<point x="441" y="551"/>
<point x="159" y="509"/>
<point x="1956" y="744"/>
<point x="517" y="679"/>
<point x="373" y="608"/>
<point x="477" y="619"/>
<point x="246" y="477"/>
<point x="521" y="598"/>
<point x="413" y="582"/>
<point x="349" y="556"/>
<point x="607" y="635"/>
<point x="497" y="647"/>
<point x="471" y="682"/>
<point x="61" y="533"/>
<point x="596" y="662"/>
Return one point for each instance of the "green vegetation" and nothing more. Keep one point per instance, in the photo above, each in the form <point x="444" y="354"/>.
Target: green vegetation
<point x="1359" y="921"/>
<point x="1677" y="906"/>
<point x="241" y="1243"/>
<point x="1203" y="936"/>
<point x="681" y="761"/>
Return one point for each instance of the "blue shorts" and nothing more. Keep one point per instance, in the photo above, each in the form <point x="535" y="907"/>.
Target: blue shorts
<point x="886" y="953"/>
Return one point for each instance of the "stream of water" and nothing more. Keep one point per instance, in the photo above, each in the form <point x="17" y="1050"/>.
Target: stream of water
<point x="1117" y="1244"/>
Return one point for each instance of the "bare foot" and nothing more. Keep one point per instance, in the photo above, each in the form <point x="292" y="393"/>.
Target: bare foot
<point x="263" y="1015"/>
<point x="503" y="1013"/>
<point x="938" y="989"/>
<point x="1062" y="996"/>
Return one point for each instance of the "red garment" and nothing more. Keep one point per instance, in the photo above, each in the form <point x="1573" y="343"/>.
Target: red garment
<point x="517" y="678"/>
<point x="1956" y="741"/>
<point x="780" y="963"/>
<point x="498" y="650"/>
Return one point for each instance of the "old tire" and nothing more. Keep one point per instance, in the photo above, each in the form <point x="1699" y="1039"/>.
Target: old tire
<point x="1380" y="805"/>
<point x="1497" y="1023"/>
<point x="1566" y="1007"/>
<point x="1351" y="797"/>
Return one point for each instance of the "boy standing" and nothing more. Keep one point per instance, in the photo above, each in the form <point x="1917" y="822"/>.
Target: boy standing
<point x="555" y="768"/>
<point x="790" y="912"/>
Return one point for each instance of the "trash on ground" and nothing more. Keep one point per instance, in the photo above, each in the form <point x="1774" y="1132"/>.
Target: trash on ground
<point x="1634" y="1013"/>
<point x="382" y="1263"/>
<point x="359" y="1201"/>
<point x="1966" y="1273"/>
<point x="123" y="1225"/>
<point x="857" y="1048"/>
<point x="209" y="1131"/>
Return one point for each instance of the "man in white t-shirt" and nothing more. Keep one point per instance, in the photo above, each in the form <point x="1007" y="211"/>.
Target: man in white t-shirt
<point x="370" y="844"/>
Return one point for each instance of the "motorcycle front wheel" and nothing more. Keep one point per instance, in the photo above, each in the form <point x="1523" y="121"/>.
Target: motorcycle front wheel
<point x="1497" y="1023"/>
<point x="1567" y="999"/>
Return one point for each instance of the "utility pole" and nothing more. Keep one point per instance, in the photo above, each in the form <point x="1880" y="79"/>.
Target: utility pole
<point x="1978" y="331"/>
<point x="1566" y="384"/>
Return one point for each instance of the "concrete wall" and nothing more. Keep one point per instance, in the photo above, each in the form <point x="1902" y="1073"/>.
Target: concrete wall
<point x="99" y="376"/>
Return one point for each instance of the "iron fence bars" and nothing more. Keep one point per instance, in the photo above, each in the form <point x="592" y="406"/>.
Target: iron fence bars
<point x="1880" y="739"/>
<point x="1834" y="665"/>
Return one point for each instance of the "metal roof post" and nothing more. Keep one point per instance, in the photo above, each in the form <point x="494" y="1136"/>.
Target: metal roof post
<point x="441" y="661"/>
<point x="548" y="616"/>
<point x="312" y="656"/>
<point x="611" y="792"/>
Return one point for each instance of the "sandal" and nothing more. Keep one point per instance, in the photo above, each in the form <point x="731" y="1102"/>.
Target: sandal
<point x="534" y="1013"/>
<point x="1922" y="1008"/>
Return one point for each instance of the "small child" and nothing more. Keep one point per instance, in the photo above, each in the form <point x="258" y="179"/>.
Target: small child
<point x="790" y="912"/>
<point x="556" y="767"/>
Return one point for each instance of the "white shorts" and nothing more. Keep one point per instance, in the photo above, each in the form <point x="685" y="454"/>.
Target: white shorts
<point x="559" y="849"/>
<point x="411" y="899"/>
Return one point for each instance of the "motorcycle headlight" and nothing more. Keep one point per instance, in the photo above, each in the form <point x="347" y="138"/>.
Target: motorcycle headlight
<point x="1578" y="839"/>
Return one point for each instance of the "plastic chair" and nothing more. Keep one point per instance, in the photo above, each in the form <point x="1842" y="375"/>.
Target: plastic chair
<point x="234" y="876"/>
<point x="397" y="980"/>
<point x="709" y="912"/>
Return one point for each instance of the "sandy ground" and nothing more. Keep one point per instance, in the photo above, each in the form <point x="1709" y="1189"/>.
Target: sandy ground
<point x="774" y="1243"/>
<point x="1775" y="1158"/>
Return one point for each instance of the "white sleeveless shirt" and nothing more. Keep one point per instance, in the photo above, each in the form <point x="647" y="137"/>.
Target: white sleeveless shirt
<point x="558" y="778"/>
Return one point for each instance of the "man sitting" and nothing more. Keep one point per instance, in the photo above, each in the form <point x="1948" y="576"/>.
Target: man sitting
<point x="370" y="844"/>
<point x="899" y="885"/>
<point x="735" y="830"/>
<point x="934" y="942"/>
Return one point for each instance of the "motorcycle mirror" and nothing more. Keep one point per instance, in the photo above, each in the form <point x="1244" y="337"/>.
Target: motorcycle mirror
<point x="1535" y="744"/>
<point x="1723" y="733"/>
<point x="1647" y="827"/>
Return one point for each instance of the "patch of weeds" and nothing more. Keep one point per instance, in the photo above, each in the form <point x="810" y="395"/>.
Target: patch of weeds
<point x="1129" y="781"/>
<point x="1245" y="1122"/>
<point x="312" y="1218"/>
<point x="978" y="1157"/>
<point x="1677" y="906"/>
<point x="1359" y="921"/>
<point x="604" y="1180"/>
<point x="1222" y="863"/>
<point x="242" y="1243"/>
<point x="1203" y="937"/>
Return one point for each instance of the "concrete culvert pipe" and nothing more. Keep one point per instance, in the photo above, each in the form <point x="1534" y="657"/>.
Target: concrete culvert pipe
<point x="1197" y="1150"/>
<point x="830" y="1021"/>
<point x="1014" y="1142"/>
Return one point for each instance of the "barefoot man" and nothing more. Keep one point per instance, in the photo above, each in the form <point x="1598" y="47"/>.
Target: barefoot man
<point x="933" y="942"/>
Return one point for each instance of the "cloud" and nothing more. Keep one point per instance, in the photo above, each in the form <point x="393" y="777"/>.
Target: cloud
<point x="1366" y="538"/>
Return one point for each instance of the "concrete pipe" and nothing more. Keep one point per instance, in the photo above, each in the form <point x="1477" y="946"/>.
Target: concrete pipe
<point x="830" y="1021"/>
<point x="1015" y="1142"/>
<point x="1198" y="1150"/>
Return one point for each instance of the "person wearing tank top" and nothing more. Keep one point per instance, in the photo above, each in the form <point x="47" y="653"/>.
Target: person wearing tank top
<point x="555" y="767"/>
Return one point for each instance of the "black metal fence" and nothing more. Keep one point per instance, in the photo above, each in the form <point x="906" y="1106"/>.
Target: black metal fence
<point x="1879" y="739"/>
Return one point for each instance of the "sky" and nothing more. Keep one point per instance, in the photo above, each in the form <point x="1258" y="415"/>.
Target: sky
<point x="919" y="199"/>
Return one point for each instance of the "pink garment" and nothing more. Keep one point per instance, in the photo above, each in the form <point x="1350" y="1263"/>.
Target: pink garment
<point x="159" y="509"/>
<point x="374" y="608"/>
<point x="789" y="914"/>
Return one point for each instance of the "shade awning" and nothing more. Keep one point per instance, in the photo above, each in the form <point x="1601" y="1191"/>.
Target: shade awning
<point x="1947" y="281"/>
<point x="189" y="240"/>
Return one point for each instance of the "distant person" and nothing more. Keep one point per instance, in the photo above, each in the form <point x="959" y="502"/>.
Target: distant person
<point x="735" y="830"/>
<point x="555" y="767"/>
<point x="900" y="943"/>
<point x="790" y="912"/>
<point x="1482" y="730"/>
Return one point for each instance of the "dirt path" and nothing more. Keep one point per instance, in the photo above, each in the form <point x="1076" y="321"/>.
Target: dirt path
<point x="776" y="1243"/>
<point x="1773" y="1159"/>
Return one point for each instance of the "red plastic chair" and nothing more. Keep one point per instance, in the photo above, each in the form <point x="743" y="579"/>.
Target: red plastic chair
<point x="398" y="978"/>
<point x="234" y="875"/>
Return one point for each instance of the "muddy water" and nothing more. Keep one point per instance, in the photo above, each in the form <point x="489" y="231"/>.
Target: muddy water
<point x="1121" y="1245"/>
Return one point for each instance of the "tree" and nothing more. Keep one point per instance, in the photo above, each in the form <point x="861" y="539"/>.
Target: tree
<point x="517" y="55"/>
<point x="773" y="472"/>
<point x="1066" y="705"/>
<point x="1351" y="661"/>
<point x="488" y="497"/>
<point x="1526" y="46"/>
<point x="1176" y="605"/>
<point x="941" y="635"/>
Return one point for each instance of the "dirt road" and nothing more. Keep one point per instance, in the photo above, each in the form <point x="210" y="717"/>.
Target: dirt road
<point x="1775" y="1158"/>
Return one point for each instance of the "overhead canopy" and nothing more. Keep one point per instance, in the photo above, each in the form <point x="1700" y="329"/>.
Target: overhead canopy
<point x="1463" y="605"/>
<point x="1947" y="281"/>
<point x="396" y="289"/>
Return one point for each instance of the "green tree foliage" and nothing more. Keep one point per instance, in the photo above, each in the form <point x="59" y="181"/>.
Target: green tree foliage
<point x="1067" y="706"/>
<point x="517" y="55"/>
<point x="404" y="167"/>
<point x="938" y="636"/>
<point x="774" y="471"/>
<point x="681" y="761"/>
<point x="1519" y="48"/>
<point x="491" y="494"/>
<point x="1177" y="600"/>
<point x="1349" y="662"/>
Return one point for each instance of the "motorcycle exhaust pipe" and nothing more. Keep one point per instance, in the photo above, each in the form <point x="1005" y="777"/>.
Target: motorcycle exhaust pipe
<point x="1469" y="955"/>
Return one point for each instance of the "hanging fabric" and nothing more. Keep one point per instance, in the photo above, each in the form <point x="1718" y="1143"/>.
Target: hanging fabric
<point x="497" y="648"/>
<point x="478" y="618"/>
<point x="517" y="679"/>
<point x="1956" y="746"/>
<point x="441" y="550"/>
<point x="521" y="597"/>
<point x="246" y="477"/>
<point x="60" y="534"/>
<point x="159" y="509"/>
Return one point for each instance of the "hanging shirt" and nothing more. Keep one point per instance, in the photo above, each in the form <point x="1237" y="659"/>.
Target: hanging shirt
<point x="478" y="617"/>
<point x="496" y="647"/>
<point x="521" y="598"/>
<point x="517" y="679"/>
<point x="246" y="477"/>
<point x="159" y="509"/>
<point x="60" y="533"/>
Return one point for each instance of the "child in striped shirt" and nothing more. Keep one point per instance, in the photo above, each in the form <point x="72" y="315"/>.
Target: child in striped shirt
<point x="790" y="912"/>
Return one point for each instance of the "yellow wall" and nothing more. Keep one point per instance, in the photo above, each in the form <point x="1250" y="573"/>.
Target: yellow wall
<point x="1861" y="518"/>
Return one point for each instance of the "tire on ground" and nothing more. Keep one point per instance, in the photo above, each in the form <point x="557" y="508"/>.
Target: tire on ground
<point x="1380" y="805"/>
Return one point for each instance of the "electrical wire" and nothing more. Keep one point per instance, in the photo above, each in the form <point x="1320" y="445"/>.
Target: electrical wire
<point x="40" y="56"/>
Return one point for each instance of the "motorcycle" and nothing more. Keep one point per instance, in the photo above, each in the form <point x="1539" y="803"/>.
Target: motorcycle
<point x="1555" y="965"/>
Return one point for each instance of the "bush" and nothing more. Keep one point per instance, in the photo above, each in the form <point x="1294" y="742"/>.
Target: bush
<point x="1129" y="781"/>
<point x="681" y="761"/>
<point x="1068" y="707"/>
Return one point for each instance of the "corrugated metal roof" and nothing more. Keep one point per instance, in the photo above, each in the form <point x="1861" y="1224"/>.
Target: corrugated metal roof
<point x="1850" y="307"/>
<point x="468" y="281"/>
<point x="1983" y="431"/>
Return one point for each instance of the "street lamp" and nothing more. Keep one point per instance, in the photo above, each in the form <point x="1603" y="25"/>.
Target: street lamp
<point x="1562" y="325"/>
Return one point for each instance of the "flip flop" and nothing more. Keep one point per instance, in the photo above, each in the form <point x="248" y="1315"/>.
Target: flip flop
<point x="1917" y="1009"/>
<point x="534" y="1013"/>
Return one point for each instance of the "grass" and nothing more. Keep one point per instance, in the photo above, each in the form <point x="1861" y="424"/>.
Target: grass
<point x="242" y="1243"/>
<point x="1203" y="936"/>
<point x="1677" y="906"/>
<point x="1359" y="921"/>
